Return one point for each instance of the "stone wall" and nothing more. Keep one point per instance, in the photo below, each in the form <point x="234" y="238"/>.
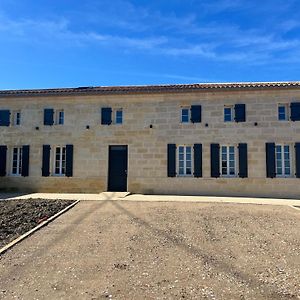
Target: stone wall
<point x="147" y="147"/>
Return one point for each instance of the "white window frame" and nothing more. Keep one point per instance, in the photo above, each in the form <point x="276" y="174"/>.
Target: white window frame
<point x="228" y="161"/>
<point x="283" y="161"/>
<point x="188" y="115"/>
<point x="185" y="161"/>
<point x="18" y="161"/>
<point x="16" y="117"/>
<point x="116" y="118"/>
<point x="231" y="113"/>
<point x="287" y="112"/>
<point x="60" y="173"/>
<point x="57" y="117"/>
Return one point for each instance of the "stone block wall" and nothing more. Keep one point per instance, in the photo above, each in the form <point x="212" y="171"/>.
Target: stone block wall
<point x="147" y="147"/>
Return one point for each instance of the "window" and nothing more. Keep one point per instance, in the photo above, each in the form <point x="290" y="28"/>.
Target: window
<point x="283" y="160"/>
<point x="119" y="116"/>
<point x="283" y="112"/>
<point x="184" y="160"/>
<point x="185" y="115"/>
<point x="60" y="116"/>
<point x="228" y="114"/>
<point x="228" y="161"/>
<point x="17" y="118"/>
<point x="17" y="161"/>
<point x="60" y="161"/>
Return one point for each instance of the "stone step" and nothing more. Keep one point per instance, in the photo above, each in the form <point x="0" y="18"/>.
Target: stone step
<point x="113" y="195"/>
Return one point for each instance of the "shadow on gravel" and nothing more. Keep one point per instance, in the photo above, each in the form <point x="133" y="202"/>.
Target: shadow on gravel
<point x="222" y="266"/>
<point x="4" y="196"/>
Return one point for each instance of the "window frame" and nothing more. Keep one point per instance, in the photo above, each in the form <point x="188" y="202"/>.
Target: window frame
<point x="16" y="121"/>
<point x="58" y="117"/>
<point x="60" y="174"/>
<point x="19" y="161"/>
<point x="184" y="160"/>
<point x="119" y="110"/>
<point x="188" y="115"/>
<point x="283" y="160"/>
<point x="286" y="114"/>
<point x="235" y="149"/>
<point x="231" y="113"/>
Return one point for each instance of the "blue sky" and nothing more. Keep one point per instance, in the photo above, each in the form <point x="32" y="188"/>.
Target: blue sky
<point x="64" y="43"/>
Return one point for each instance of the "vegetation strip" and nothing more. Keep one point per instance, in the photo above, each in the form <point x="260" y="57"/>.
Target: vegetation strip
<point x="28" y="233"/>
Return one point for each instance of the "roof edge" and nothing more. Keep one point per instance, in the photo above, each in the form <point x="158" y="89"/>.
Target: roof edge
<point x="138" y="89"/>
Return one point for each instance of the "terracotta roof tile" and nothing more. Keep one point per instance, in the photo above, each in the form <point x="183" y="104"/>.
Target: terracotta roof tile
<point x="106" y="90"/>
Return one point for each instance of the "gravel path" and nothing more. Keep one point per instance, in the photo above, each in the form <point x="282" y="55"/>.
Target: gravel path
<point x="128" y="250"/>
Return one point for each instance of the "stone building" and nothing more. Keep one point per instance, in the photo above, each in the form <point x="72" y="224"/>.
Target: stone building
<point x="238" y="139"/>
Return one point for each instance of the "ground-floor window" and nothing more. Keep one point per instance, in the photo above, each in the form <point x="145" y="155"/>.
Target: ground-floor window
<point x="17" y="161"/>
<point x="60" y="161"/>
<point x="228" y="161"/>
<point x="184" y="160"/>
<point x="283" y="160"/>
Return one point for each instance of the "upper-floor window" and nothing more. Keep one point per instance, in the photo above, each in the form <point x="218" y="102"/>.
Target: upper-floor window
<point x="184" y="160"/>
<point x="111" y="116"/>
<point x="283" y="112"/>
<point x="235" y="113"/>
<point x="60" y="117"/>
<point x="16" y="161"/>
<point x="185" y="115"/>
<point x="191" y="114"/>
<point x="119" y="116"/>
<point x="228" y="161"/>
<point x="283" y="160"/>
<point x="228" y="113"/>
<point x="60" y="161"/>
<point x="52" y="116"/>
<point x="17" y="118"/>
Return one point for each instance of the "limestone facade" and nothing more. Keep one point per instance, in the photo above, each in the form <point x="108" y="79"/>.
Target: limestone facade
<point x="147" y="147"/>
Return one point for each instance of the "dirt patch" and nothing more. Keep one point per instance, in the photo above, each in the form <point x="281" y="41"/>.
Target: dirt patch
<point x="19" y="216"/>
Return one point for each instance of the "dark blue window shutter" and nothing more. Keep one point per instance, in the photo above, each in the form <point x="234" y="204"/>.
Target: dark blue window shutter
<point x="243" y="160"/>
<point x="240" y="113"/>
<point x="69" y="160"/>
<point x="171" y="160"/>
<point x="3" y="153"/>
<point x="196" y="113"/>
<point x="270" y="160"/>
<point x="4" y="117"/>
<point x="48" y="116"/>
<point x="297" y="158"/>
<point x="25" y="161"/>
<point x="106" y="115"/>
<point x="295" y="111"/>
<point x="46" y="161"/>
<point x="215" y="160"/>
<point x="197" y="160"/>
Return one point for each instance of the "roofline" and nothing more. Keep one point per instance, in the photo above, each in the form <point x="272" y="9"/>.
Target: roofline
<point x="148" y="89"/>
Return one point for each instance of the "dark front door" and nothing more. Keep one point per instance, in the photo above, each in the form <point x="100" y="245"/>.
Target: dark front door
<point x="117" y="169"/>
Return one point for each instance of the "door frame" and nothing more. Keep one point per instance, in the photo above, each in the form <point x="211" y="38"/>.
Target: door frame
<point x="108" y="165"/>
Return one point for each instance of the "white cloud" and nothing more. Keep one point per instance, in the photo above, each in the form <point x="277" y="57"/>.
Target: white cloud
<point x="150" y="31"/>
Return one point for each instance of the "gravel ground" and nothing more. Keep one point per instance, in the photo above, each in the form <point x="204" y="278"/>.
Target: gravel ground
<point x="19" y="216"/>
<point x="131" y="250"/>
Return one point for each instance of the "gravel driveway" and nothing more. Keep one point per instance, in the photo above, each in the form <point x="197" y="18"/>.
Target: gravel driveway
<point x="131" y="250"/>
